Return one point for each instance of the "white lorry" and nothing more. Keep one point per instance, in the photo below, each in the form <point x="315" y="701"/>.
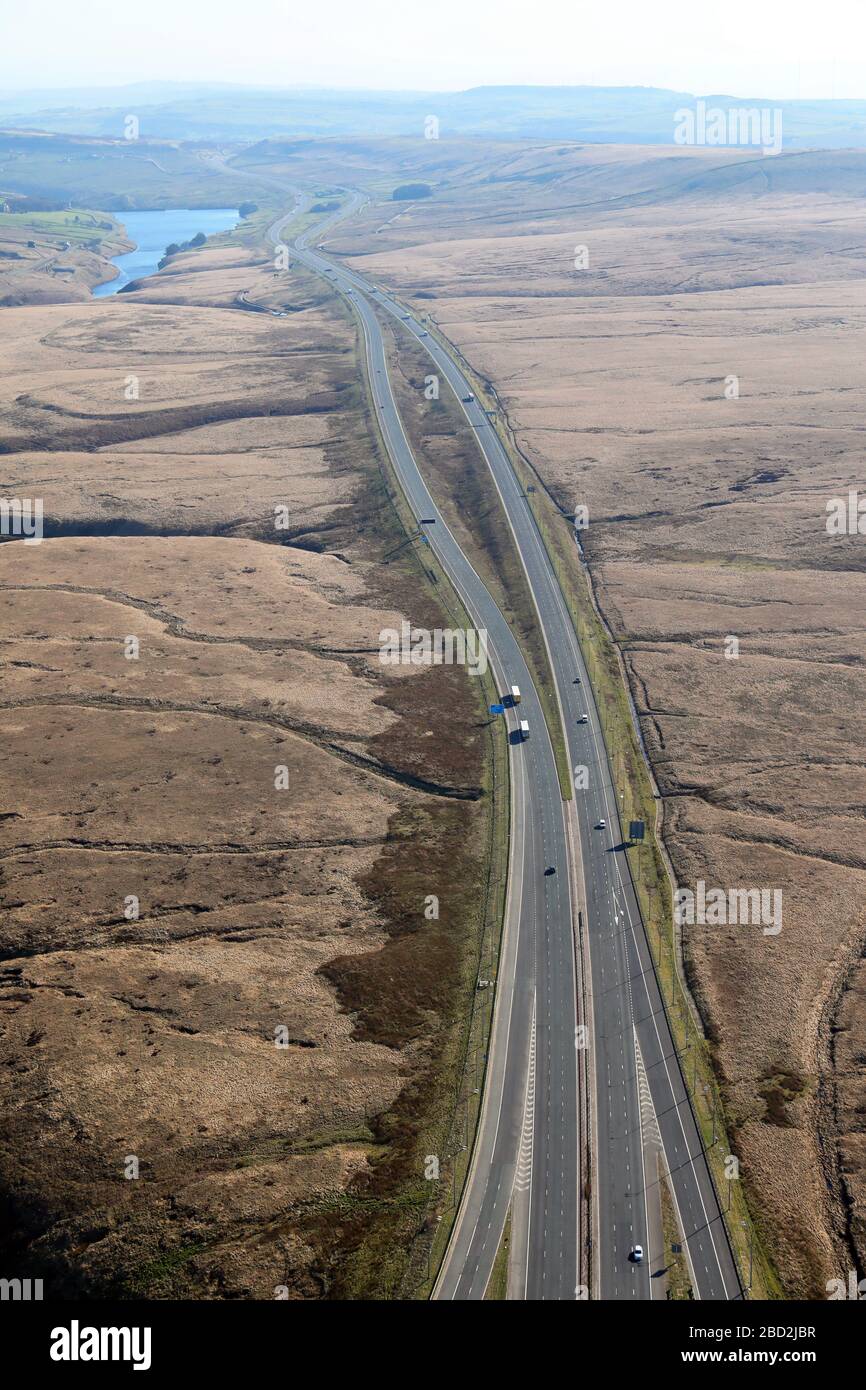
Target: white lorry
<point x="524" y="730"/>
<point x="515" y="695"/>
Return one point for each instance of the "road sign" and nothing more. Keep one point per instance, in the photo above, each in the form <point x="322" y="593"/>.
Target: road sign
<point x="636" y="829"/>
<point x="497" y="709"/>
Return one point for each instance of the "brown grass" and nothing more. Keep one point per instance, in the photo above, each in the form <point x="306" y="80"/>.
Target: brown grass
<point x="706" y="519"/>
<point x="154" y="1036"/>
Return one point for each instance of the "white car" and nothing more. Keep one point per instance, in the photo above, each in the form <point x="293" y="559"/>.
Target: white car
<point x="584" y="719"/>
<point x="602" y="825"/>
<point x="636" y="1255"/>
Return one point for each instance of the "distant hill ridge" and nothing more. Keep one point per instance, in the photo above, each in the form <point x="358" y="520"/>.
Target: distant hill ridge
<point x="206" y="111"/>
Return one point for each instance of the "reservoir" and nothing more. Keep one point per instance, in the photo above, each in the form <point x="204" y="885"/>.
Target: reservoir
<point x="152" y="232"/>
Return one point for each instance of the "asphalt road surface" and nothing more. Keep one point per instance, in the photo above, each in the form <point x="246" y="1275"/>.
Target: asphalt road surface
<point x="536" y="1008"/>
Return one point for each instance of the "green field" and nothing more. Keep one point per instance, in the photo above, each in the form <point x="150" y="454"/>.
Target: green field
<point x="119" y="175"/>
<point x="73" y="225"/>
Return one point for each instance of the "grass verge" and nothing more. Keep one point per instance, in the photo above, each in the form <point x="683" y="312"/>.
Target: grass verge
<point x="638" y="802"/>
<point x="462" y="485"/>
<point x="399" y="1255"/>
<point x="497" y="1289"/>
<point x="677" y="1268"/>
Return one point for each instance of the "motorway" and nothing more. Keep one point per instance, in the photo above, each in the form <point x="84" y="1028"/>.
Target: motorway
<point x="536" y="1012"/>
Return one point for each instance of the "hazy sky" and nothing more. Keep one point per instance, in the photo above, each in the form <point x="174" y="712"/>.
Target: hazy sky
<point x="781" y="48"/>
